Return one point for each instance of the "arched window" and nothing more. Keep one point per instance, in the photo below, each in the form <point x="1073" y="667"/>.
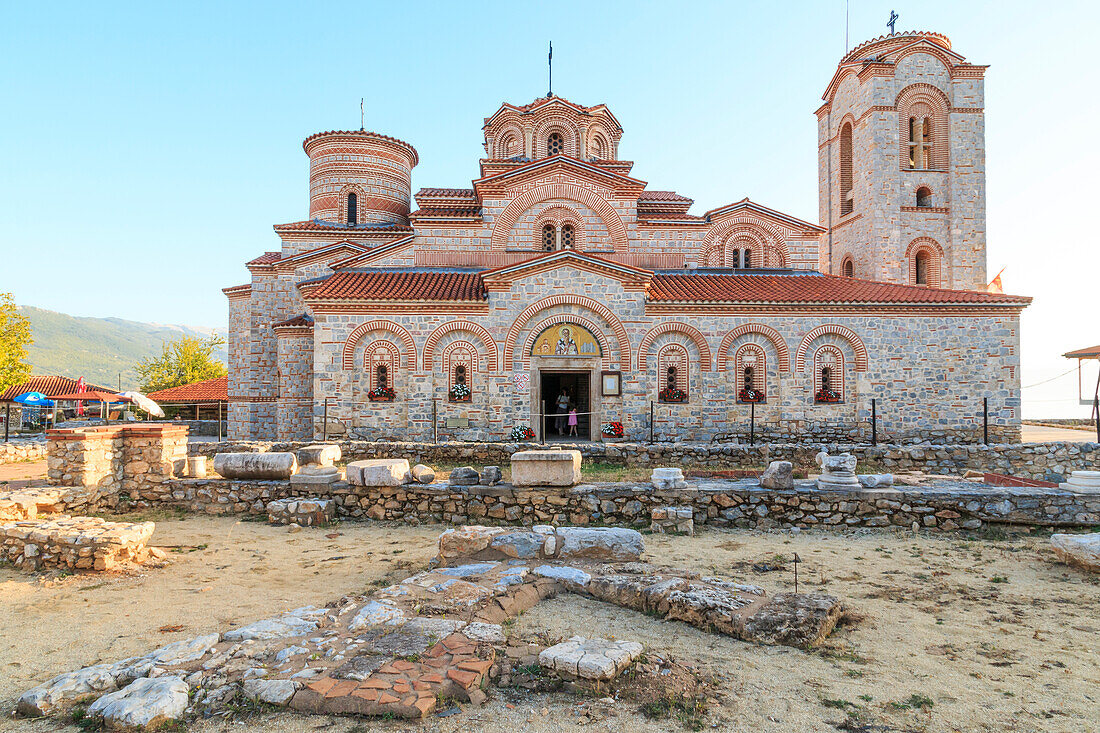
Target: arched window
<point x="847" y="197"/>
<point x="828" y="374"/>
<point x="735" y="257"/>
<point x="549" y="237"/>
<point x="381" y="362"/>
<point x="566" y="236"/>
<point x="921" y="265"/>
<point x="509" y="146"/>
<point x="460" y="374"/>
<point x="597" y="148"/>
<point x="459" y="360"/>
<point x="920" y="142"/>
<point x="381" y="376"/>
<point x="746" y="258"/>
<point x="673" y="374"/>
<point x="555" y="145"/>
<point x="848" y="267"/>
<point x="924" y="197"/>
<point x="353" y="209"/>
<point x="751" y="371"/>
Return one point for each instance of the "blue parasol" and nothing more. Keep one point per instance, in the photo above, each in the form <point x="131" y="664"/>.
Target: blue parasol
<point x="34" y="399"/>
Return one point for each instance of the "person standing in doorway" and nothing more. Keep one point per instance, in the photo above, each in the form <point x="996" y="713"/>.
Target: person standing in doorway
<point x="573" y="421"/>
<point x="562" y="405"/>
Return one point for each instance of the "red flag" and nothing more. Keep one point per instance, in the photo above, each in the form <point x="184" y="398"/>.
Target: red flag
<point x="995" y="285"/>
<point x="80" y="405"/>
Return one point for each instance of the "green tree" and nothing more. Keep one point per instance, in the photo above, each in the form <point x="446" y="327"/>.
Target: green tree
<point x="15" y="336"/>
<point x="182" y="361"/>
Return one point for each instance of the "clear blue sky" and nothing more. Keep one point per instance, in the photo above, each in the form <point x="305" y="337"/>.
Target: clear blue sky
<point x="154" y="144"/>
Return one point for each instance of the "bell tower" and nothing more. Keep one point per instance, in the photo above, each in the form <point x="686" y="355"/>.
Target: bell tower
<point x="901" y="164"/>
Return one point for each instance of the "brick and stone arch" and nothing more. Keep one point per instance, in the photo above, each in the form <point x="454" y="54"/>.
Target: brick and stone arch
<point x="848" y="266"/>
<point x="923" y="196"/>
<point x="557" y="318"/>
<point x="557" y="216"/>
<point x="691" y="332"/>
<point x="845" y="334"/>
<point x="552" y="301"/>
<point x="488" y="345"/>
<point x="847" y="168"/>
<point x="769" y="249"/>
<point x="922" y="102"/>
<point x="460" y="364"/>
<point x="508" y="143"/>
<point x="924" y="256"/>
<point x="380" y="360"/>
<point x="674" y="368"/>
<point x="517" y="207"/>
<point x="342" y="209"/>
<point x="409" y="346"/>
<point x="751" y="369"/>
<point x="599" y="143"/>
<point x="829" y="371"/>
<point x="783" y="354"/>
<point x="564" y="127"/>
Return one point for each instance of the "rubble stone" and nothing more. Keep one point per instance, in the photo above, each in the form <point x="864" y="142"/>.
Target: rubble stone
<point x="665" y="479"/>
<point x="143" y="704"/>
<point x="1082" y="550"/>
<point x="379" y="472"/>
<point x="778" y="475"/>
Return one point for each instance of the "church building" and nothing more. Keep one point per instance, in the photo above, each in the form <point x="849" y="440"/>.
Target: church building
<point x="558" y="282"/>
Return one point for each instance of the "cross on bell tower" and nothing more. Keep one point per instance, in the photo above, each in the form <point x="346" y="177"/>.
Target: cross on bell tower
<point x="893" y="19"/>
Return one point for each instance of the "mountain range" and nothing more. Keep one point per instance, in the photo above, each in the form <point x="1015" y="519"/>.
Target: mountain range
<point x="102" y="350"/>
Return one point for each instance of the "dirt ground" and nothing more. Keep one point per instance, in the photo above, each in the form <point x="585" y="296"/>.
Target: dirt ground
<point x="958" y="634"/>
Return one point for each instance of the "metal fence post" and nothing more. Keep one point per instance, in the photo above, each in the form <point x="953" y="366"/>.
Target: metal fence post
<point x="1096" y="410"/>
<point x="752" y="423"/>
<point x="324" y="423"/>
<point x="7" y="420"/>
<point x="985" y="420"/>
<point x="219" y="422"/>
<point x="435" y="420"/>
<point x="651" y="422"/>
<point x="874" y="422"/>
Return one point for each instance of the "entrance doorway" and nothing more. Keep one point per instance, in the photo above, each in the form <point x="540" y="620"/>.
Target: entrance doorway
<point x="575" y="386"/>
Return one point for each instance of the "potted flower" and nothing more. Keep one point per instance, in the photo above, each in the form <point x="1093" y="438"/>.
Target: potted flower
<point x="612" y="430"/>
<point x="381" y="394"/>
<point x="672" y="394"/>
<point x="750" y="395"/>
<point x="521" y="433"/>
<point x="827" y="395"/>
<point x="460" y="393"/>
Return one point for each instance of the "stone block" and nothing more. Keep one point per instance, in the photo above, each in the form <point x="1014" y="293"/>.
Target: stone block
<point x="664" y="479"/>
<point x="491" y="475"/>
<point x="466" y="541"/>
<point x="672" y="520"/>
<point x="465" y="476"/>
<point x="379" y="472"/>
<point x="145" y="703"/>
<point x="605" y="544"/>
<point x="1082" y="550"/>
<point x="423" y="474"/>
<point x="303" y="512"/>
<point x="546" y="468"/>
<point x="262" y="466"/>
<point x="196" y="466"/>
<point x="320" y="454"/>
<point x="778" y="475"/>
<point x="592" y="659"/>
<point x="1083" y="482"/>
<point x="315" y="476"/>
<point x="876" y="480"/>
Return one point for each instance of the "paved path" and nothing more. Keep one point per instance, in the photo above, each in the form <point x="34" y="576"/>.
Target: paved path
<point x="1040" y="434"/>
<point x="21" y="475"/>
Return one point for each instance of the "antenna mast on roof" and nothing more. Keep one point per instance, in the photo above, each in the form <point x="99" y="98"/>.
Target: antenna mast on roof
<point x="550" y="64"/>
<point x="361" y="128"/>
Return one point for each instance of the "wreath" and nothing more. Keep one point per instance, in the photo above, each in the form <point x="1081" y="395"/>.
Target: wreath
<point x="381" y="394"/>
<point x="672" y="394"/>
<point x="612" y="429"/>
<point x="750" y="395"/>
<point x="827" y="395"/>
<point x="521" y="433"/>
<point x="460" y="393"/>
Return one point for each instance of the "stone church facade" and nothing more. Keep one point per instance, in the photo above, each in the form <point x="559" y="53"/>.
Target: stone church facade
<point x="558" y="273"/>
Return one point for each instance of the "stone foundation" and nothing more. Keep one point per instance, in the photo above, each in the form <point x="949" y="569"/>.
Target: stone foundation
<point x="1041" y="461"/>
<point x="303" y="512"/>
<point x="117" y="458"/>
<point x="22" y="450"/>
<point x="75" y="543"/>
<point x="943" y="506"/>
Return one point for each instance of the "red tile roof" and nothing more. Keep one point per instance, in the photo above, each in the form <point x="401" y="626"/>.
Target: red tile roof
<point x="451" y="193"/>
<point x="49" y="386"/>
<point x="661" y="196"/>
<point x="317" y="225"/>
<point x="459" y="212"/>
<point x="299" y="320"/>
<point x="644" y="216"/>
<point x="365" y="134"/>
<point x="266" y="258"/>
<point x="1090" y="353"/>
<point x="210" y="390"/>
<point x="815" y="288"/>
<point x="390" y="285"/>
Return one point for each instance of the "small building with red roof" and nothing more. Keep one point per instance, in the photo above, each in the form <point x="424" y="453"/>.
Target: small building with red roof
<point x="560" y="280"/>
<point x="208" y="398"/>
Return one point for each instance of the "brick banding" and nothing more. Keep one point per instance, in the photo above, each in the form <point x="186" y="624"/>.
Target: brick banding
<point x="595" y="330"/>
<point x="353" y="338"/>
<point x="504" y="223"/>
<point x="847" y="334"/>
<point x="488" y="344"/>
<point x="767" y="332"/>
<point x="554" y="300"/>
<point x="675" y="327"/>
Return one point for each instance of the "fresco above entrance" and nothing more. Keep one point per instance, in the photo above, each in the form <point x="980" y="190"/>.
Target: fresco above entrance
<point x="566" y="339"/>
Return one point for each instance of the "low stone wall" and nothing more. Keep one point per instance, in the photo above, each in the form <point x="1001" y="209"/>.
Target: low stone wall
<point x="116" y="458"/>
<point x="718" y="503"/>
<point x="80" y="543"/>
<point x="1041" y="461"/>
<point x="15" y="451"/>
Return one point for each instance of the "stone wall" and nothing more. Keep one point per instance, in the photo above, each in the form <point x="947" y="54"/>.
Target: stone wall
<point x="116" y="458"/>
<point x="1041" y="461"/>
<point x="22" y="450"/>
<point x="947" y="506"/>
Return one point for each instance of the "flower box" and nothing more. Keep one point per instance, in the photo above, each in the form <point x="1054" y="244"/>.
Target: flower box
<point x="612" y="430"/>
<point x="381" y="394"/>
<point x="827" y="396"/>
<point x="520" y="433"/>
<point x="751" y="396"/>
<point x="672" y="394"/>
<point x="459" y="393"/>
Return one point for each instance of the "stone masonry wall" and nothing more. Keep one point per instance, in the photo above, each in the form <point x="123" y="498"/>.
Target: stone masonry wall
<point x="718" y="503"/>
<point x="1041" y="461"/>
<point x="22" y="450"/>
<point x="123" y="458"/>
